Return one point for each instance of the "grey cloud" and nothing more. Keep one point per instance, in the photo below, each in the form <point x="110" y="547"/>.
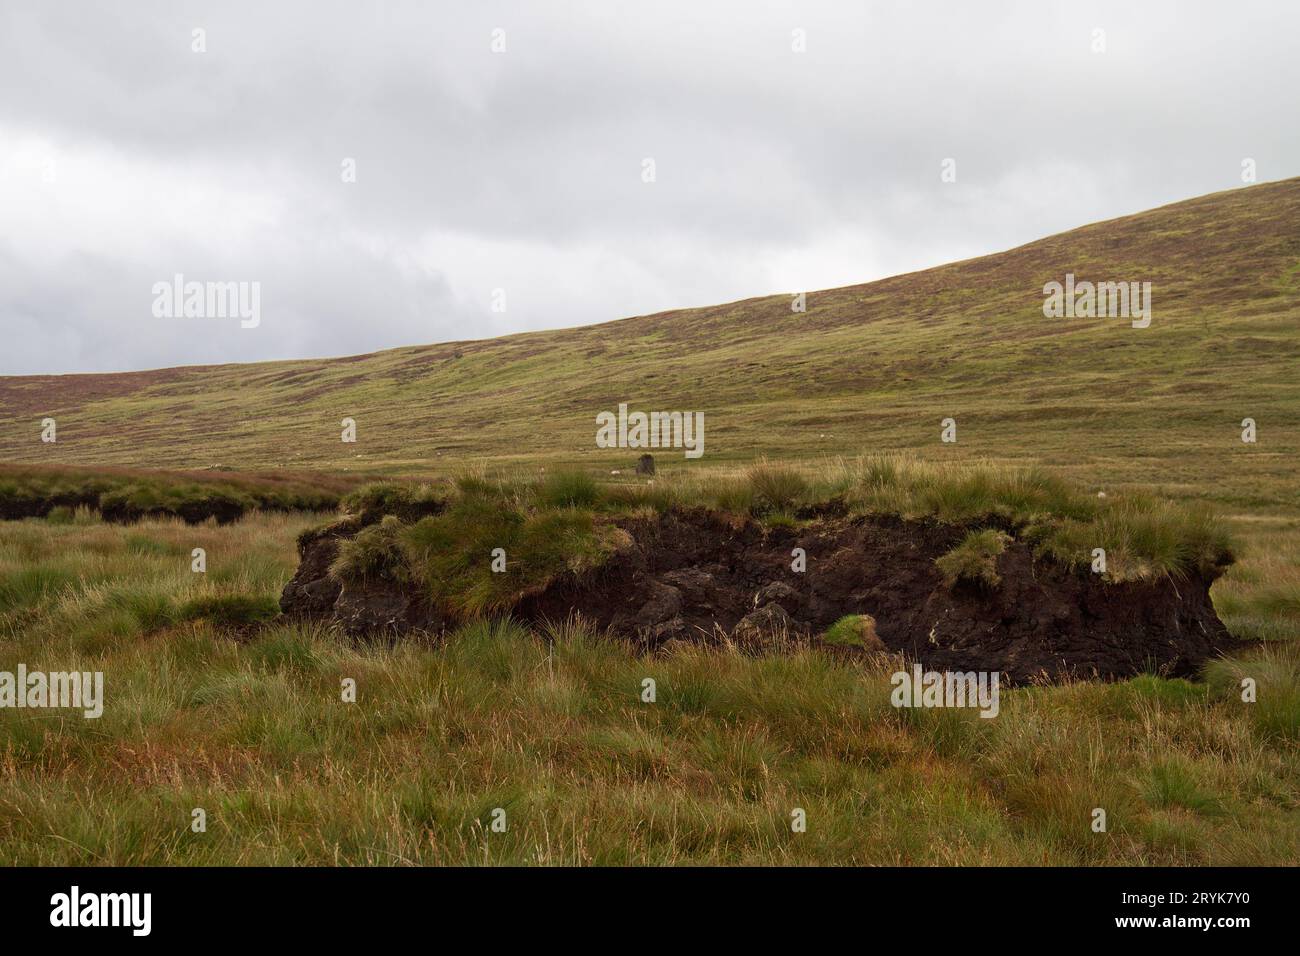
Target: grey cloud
<point x="776" y="170"/>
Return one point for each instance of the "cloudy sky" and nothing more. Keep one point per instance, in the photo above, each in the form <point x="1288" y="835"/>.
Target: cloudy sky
<point x="126" y="157"/>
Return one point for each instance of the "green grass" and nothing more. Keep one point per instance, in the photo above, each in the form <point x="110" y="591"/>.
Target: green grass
<point x="403" y="500"/>
<point x="484" y="551"/>
<point x="569" y="489"/>
<point x="775" y="488"/>
<point x="231" y="610"/>
<point x="377" y="553"/>
<point x="853" y="630"/>
<point x="551" y="727"/>
<point x="974" y="560"/>
<point x="1145" y="537"/>
<point x="1275" y="675"/>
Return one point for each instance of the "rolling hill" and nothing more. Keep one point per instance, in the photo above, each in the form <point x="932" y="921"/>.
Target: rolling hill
<point x="867" y="367"/>
<point x="219" y="702"/>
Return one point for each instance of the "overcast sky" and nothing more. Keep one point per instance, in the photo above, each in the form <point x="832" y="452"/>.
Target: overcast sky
<point x="126" y="157"/>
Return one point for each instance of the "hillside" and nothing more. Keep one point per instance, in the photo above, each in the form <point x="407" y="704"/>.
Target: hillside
<point x="873" y="366"/>
<point x="252" y="686"/>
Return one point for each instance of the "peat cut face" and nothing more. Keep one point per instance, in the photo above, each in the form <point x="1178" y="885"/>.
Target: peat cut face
<point x="703" y="576"/>
<point x="371" y="607"/>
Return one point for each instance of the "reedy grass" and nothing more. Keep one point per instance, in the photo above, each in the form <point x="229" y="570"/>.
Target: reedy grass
<point x="775" y="487"/>
<point x="551" y="727"/>
<point x="1274" y="673"/>
<point x="454" y="556"/>
<point x="1145" y="537"/>
<point x="568" y="488"/>
<point x="974" y="560"/>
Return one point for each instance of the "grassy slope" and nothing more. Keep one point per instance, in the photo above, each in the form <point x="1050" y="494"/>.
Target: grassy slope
<point x="871" y="367"/>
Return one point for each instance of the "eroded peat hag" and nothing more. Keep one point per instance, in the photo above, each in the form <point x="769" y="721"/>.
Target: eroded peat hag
<point x="127" y="495"/>
<point x="693" y="576"/>
<point x="700" y="574"/>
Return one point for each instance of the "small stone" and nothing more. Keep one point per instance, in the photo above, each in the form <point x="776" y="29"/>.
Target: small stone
<point x="665" y="602"/>
<point x="768" y="628"/>
<point x="673" y="631"/>
<point x="778" y="592"/>
<point x="696" y="585"/>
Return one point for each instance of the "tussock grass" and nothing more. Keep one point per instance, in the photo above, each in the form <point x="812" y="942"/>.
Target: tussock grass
<point x="853" y="630"/>
<point x="1259" y="597"/>
<point x="1275" y="673"/>
<point x="405" y="500"/>
<point x="551" y="727"/>
<point x="1144" y="537"/>
<point x="569" y="488"/>
<point x="376" y="552"/>
<point x="450" y="556"/>
<point x="231" y="610"/>
<point x="975" y="559"/>
<point x="775" y="487"/>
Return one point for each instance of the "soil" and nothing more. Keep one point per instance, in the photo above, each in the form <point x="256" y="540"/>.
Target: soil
<point x="703" y="576"/>
<point x="223" y="510"/>
<point x="19" y="508"/>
